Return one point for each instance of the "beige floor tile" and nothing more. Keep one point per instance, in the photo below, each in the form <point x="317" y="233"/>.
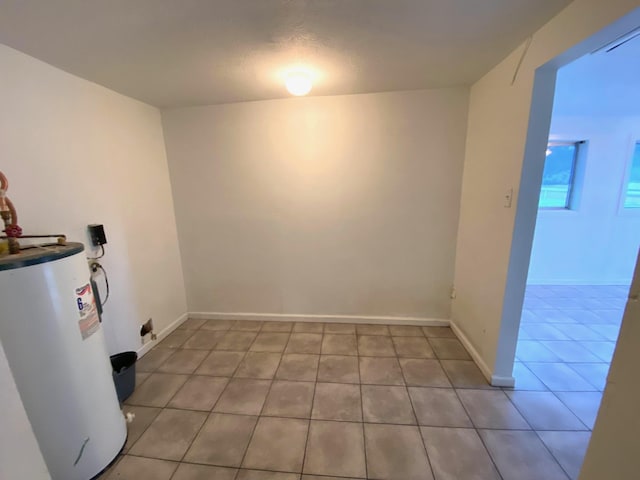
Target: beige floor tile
<point x="458" y="454"/>
<point x="464" y="374"/>
<point x="157" y="390"/>
<point x="189" y="471"/>
<point x="308" y="327"/>
<point x="243" y="396"/>
<point x="270" y="342"/>
<point x="438" y="407"/>
<point x="192" y="323"/>
<point x="585" y="405"/>
<point x="424" y="373"/>
<point x="316" y="477"/>
<point x="277" y="444"/>
<point x="340" y="369"/>
<point x="413" y="347"/>
<point x="340" y="328"/>
<point x="386" y="404"/>
<point x="247" y="325"/>
<point x="277" y="326"/>
<point x="296" y="366"/>
<point x="335" y="448"/>
<point x="199" y="393"/>
<point x="492" y="409"/>
<point x="337" y="401"/>
<point x="405" y="331"/>
<point x="204" y="339"/>
<point x="380" y="371"/>
<point x="264" y="475"/>
<point x="183" y="361"/>
<point x="141" y="377"/>
<point x="220" y="364"/>
<point x="169" y="435"/>
<point x="544" y="411"/>
<point x="335" y="344"/>
<point x="304" y="343"/>
<point x="220" y="325"/>
<point x="449" y="349"/>
<point x="289" y="399"/>
<point x="372" y="330"/>
<point x="521" y="455"/>
<point x="258" y="365"/>
<point x="143" y="418"/>
<point x="569" y="449"/>
<point x="153" y="359"/>
<point x="396" y="452"/>
<point x="139" y="468"/>
<point x="222" y="441"/>
<point x="176" y="338"/>
<point x="239" y="341"/>
<point x="438" y="332"/>
<point x="375" y="346"/>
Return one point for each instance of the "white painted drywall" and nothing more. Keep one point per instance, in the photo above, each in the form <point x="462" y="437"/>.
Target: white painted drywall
<point x="20" y="456"/>
<point x="76" y="153"/>
<point x="496" y="140"/>
<point x="344" y="205"/>
<point x="595" y="242"/>
<point x="613" y="449"/>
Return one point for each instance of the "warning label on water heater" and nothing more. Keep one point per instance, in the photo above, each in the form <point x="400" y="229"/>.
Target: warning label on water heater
<point x="89" y="322"/>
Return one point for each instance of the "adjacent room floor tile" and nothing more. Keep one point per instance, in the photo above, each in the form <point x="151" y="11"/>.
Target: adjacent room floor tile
<point x="142" y="469"/>
<point x="304" y="343"/>
<point x="189" y="471"/>
<point x="424" y="373"/>
<point x="169" y="435"/>
<point x="602" y="350"/>
<point x="534" y="351"/>
<point x="222" y="441"/>
<point x="335" y="448"/>
<point x="544" y="411"/>
<point x="569" y="449"/>
<point x="525" y="379"/>
<point x="183" y="361"/>
<point x="199" y="393"/>
<point x="413" y="347"/>
<point x="559" y="377"/>
<point x="380" y="371"/>
<point x="396" y="452"/>
<point x="337" y="401"/>
<point x="464" y="374"/>
<point x="491" y="409"/>
<point x="375" y="346"/>
<point x="335" y="344"/>
<point x="570" y="351"/>
<point x="296" y="366"/>
<point x="270" y="342"/>
<point x="584" y="405"/>
<point x="594" y="373"/>
<point x="289" y="399"/>
<point x="386" y="404"/>
<point x="277" y="444"/>
<point x="521" y="455"/>
<point x="438" y="407"/>
<point x="157" y="390"/>
<point x="203" y="339"/>
<point x="458" y="454"/>
<point x="222" y="364"/>
<point x="341" y="369"/>
<point x="258" y="365"/>
<point x="449" y="349"/>
<point x="243" y="396"/>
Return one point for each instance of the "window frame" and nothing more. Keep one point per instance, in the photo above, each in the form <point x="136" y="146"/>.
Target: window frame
<point x="571" y="199"/>
<point x="622" y="210"/>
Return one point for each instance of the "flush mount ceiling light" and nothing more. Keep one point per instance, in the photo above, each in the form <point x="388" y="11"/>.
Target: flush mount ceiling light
<point x="298" y="83"/>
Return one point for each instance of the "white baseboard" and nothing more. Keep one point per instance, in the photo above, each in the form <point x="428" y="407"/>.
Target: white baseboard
<point x="162" y="334"/>
<point x="288" y="317"/>
<point x="495" y="380"/>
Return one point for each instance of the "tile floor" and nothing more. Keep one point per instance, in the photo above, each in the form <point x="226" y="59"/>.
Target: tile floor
<point x="311" y="401"/>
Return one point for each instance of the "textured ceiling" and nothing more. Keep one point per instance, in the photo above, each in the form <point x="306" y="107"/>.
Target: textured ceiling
<point x="195" y="52"/>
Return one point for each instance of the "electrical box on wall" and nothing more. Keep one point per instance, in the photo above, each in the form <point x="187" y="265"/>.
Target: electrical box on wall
<point x="97" y="234"/>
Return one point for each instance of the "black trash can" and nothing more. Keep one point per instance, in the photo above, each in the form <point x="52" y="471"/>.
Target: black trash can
<point x="124" y="373"/>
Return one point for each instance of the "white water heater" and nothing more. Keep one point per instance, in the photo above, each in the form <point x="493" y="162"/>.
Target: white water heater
<point x="55" y="347"/>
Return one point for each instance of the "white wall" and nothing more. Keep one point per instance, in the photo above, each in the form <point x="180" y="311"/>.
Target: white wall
<point x="76" y="153"/>
<point x="597" y="241"/>
<point x="490" y="267"/>
<point x="343" y="205"/>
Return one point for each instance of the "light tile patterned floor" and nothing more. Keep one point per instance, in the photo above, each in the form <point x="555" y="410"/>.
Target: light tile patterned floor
<point x="310" y="401"/>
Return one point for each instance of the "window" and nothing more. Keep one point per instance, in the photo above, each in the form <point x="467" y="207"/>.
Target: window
<point x="632" y="195"/>
<point x="558" y="175"/>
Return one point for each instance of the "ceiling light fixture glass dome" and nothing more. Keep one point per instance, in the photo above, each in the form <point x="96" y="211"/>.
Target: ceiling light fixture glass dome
<point x="298" y="83"/>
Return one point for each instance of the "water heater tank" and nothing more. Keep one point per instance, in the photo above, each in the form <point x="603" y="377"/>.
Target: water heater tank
<point x="55" y="347"/>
